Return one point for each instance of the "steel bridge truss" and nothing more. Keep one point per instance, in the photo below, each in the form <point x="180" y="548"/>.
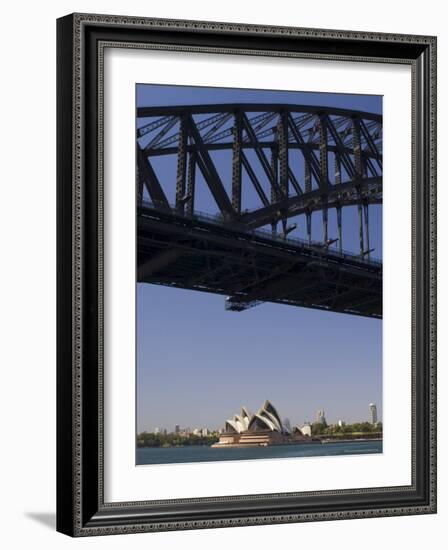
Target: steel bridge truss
<point x="297" y="160"/>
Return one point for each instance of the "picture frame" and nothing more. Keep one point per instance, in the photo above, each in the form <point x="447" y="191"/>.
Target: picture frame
<point x="81" y="506"/>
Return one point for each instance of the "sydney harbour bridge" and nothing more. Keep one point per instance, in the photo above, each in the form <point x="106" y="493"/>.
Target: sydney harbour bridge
<point x="262" y="171"/>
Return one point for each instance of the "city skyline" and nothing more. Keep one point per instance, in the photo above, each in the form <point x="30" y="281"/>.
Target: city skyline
<point x="197" y="363"/>
<point x="198" y="385"/>
<point x="371" y="418"/>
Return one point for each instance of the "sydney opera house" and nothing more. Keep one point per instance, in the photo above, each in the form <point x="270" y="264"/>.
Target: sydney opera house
<point x="261" y="429"/>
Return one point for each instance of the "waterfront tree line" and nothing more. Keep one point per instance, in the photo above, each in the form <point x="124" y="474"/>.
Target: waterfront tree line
<point x="146" y="439"/>
<point x="318" y="429"/>
<point x="357" y="429"/>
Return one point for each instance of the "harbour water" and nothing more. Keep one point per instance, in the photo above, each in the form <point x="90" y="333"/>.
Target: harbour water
<point x="176" y="455"/>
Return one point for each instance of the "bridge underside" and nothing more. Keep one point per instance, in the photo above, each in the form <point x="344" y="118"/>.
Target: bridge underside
<point x="249" y="267"/>
<point x="254" y="166"/>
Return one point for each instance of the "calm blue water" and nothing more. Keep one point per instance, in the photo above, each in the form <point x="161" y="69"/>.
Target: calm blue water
<point x="175" y="455"/>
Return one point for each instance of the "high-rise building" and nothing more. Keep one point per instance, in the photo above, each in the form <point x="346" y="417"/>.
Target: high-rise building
<point x="320" y="417"/>
<point x="176" y="429"/>
<point x="156" y="430"/>
<point x="373" y="413"/>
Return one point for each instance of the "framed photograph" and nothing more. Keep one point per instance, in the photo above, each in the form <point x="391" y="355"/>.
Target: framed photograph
<point x="246" y="274"/>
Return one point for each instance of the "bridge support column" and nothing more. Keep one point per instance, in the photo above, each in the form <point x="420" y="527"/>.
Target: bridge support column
<point x="366" y="221"/>
<point x="282" y="130"/>
<point x="337" y="181"/>
<point x="308" y="225"/>
<point x="339" y="217"/>
<point x="307" y="178"/>
<point x="191" y="183"/>
<point x="356" y="132"/>
<point x="139" y="184"/>
<point x="361" y="231"/>
<point x="274" y="167"/>
<point x="325" y="224"/>
<point x="181" y="167"/>
<point x="236" y="164"/>
<point x="323" y="162"/>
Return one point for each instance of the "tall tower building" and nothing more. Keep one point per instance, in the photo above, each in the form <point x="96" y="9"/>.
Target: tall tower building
<point x="320" y="417"/>
<point x="373" y="414"/>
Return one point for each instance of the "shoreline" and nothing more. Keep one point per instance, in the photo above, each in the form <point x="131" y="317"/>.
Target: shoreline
<point x="262" y="446"/>
<point x="354" y="440"/>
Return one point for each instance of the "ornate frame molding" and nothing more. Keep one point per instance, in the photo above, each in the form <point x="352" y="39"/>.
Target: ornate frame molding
<point x="81" y="42"/>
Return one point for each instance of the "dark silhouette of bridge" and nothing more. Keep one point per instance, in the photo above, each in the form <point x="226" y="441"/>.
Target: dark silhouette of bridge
<point x="285" y="162"/>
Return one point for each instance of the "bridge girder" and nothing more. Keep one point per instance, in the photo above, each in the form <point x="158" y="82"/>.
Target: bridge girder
<point x="297" y="160"/>
<point x="299" y="136"/>
<point x="176" y="251"/>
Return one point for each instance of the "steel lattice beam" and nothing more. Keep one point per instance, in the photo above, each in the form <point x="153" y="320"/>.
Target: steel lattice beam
<point x="297" y="160"/>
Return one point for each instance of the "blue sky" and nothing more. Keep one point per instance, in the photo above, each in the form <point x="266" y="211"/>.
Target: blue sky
<point x="197" y="363"/>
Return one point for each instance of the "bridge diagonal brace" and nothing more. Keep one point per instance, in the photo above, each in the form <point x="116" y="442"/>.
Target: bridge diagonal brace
<point x="261" y="156"/>
<point x="307" y="151"/>
<point x="208" y="170"/>
<point x="220" y="121"/>
<point x="151" y="181"/>
<point x="370" y="142"/>
<point x="294" y="182"/>
<point x="253" y="178"/>
<point x="161" y="134"/>
<point x="147" y="128"/>
<point x="343" y="156"/>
